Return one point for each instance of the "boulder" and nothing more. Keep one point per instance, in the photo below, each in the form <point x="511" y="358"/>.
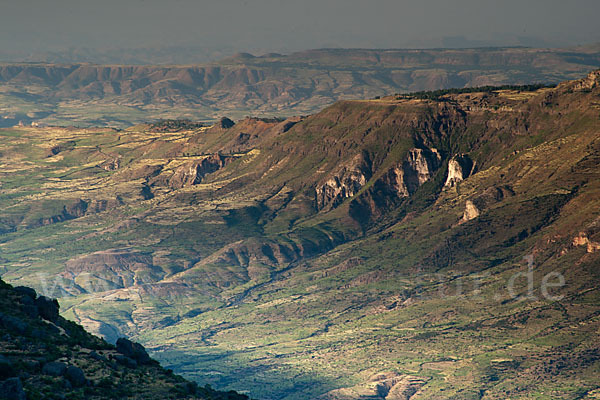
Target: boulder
<point x="31" y="365"/>
<point x="48" y="308"/>
<point x="133" y="350"/>
<point x="54" y="368"/>
<point x="27" y="300"/>
<point x="76" y="376"/>
<point x="12" y="389"/>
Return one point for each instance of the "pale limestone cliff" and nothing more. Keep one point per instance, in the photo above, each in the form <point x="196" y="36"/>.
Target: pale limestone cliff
<point x="346" y="183"/>
<point x="471" y="211"/>
<point x="460" y="167"/>
<point x="401" y="180"/>
<point x="418" y="167"/>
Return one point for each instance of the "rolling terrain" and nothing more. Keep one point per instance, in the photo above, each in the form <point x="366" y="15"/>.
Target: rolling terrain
<point x="44" y="356"/>
<point x="436" y="245"/>
<point x="283" y="85"/>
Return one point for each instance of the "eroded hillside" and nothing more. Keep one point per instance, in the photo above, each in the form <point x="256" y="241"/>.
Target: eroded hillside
<point x="296" y="84"/>
<point x="366" y="250"/>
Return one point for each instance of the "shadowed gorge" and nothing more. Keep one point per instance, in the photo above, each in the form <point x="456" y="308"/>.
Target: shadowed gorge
<point x="376" y="249"/>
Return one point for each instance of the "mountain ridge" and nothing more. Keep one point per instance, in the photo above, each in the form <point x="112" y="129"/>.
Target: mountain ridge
<point x="45" y="356"/>
<point x="282" y="85"/>
<point x="366" y="251"/>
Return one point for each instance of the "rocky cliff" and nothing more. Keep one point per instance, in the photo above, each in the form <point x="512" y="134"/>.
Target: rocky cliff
<point x="375" y="248"/>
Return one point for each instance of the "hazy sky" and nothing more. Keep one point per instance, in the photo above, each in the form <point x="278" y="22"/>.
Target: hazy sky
<point x="286" y="25"/>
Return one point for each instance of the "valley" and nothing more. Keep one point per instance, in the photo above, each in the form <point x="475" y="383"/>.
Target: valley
<point x="300" y="83"/>
<point x="374" y="249"/>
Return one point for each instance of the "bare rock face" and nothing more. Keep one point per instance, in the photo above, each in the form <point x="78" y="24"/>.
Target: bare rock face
<point x="346" y="183"/>
<point x="418" y="167"/>
<point x="71" y="210"/>
<point x="406" y="388"/>
<point x="471" y="212"/>
<point x="583" y="240"/>
<point x="402" y="180"/>
<point x="485" y="200"/>
<point x="590" y="82"/>
<point x="192" y="173"/>
<point x="460" y="167"/>
<point x="382" y="386"/>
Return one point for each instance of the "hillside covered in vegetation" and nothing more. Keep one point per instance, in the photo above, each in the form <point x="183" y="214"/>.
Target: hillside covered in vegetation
<point x="406" y="247"/>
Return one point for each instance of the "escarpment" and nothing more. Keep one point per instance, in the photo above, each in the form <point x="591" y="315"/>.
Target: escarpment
<point x="346" y="183"/>
<point x="406" y="177"/>
<point x="384" y="229"/>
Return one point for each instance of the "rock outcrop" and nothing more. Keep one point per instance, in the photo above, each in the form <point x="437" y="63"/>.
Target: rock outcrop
<point x="583" y="240"/>
<point x="485" y="200"/>
<point x="193" y="172"/>
<point x="60" y="360"/>
<point x="70" y="210"/>
<point x="417" y="168"/>
<point x="112" y="164"/>
<point x="382" y="386"/>
<point x="405" y="388"/>
<point x="589" y="82"/>
<point x="225" y="123"/>
<point x="48" y="308"/>
<point x="471" y="212"/>
<point x="460" y="167"/>
<point x="133" y="350"/>
<point x="401" y="180"/>
<point x="346" y="183"/>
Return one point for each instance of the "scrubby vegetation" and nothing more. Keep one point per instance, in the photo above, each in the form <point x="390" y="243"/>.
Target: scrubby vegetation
<point x="441" y="93"/>
<point x="175" y="125"/>
<point x="366" y="250"/>
<point x="44" y="356"/>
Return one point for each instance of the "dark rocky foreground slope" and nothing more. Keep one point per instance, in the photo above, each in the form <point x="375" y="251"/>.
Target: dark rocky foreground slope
<point x="296" y="84"/>
<point x="44" y="356"/>
<point x="377" y="249"/>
